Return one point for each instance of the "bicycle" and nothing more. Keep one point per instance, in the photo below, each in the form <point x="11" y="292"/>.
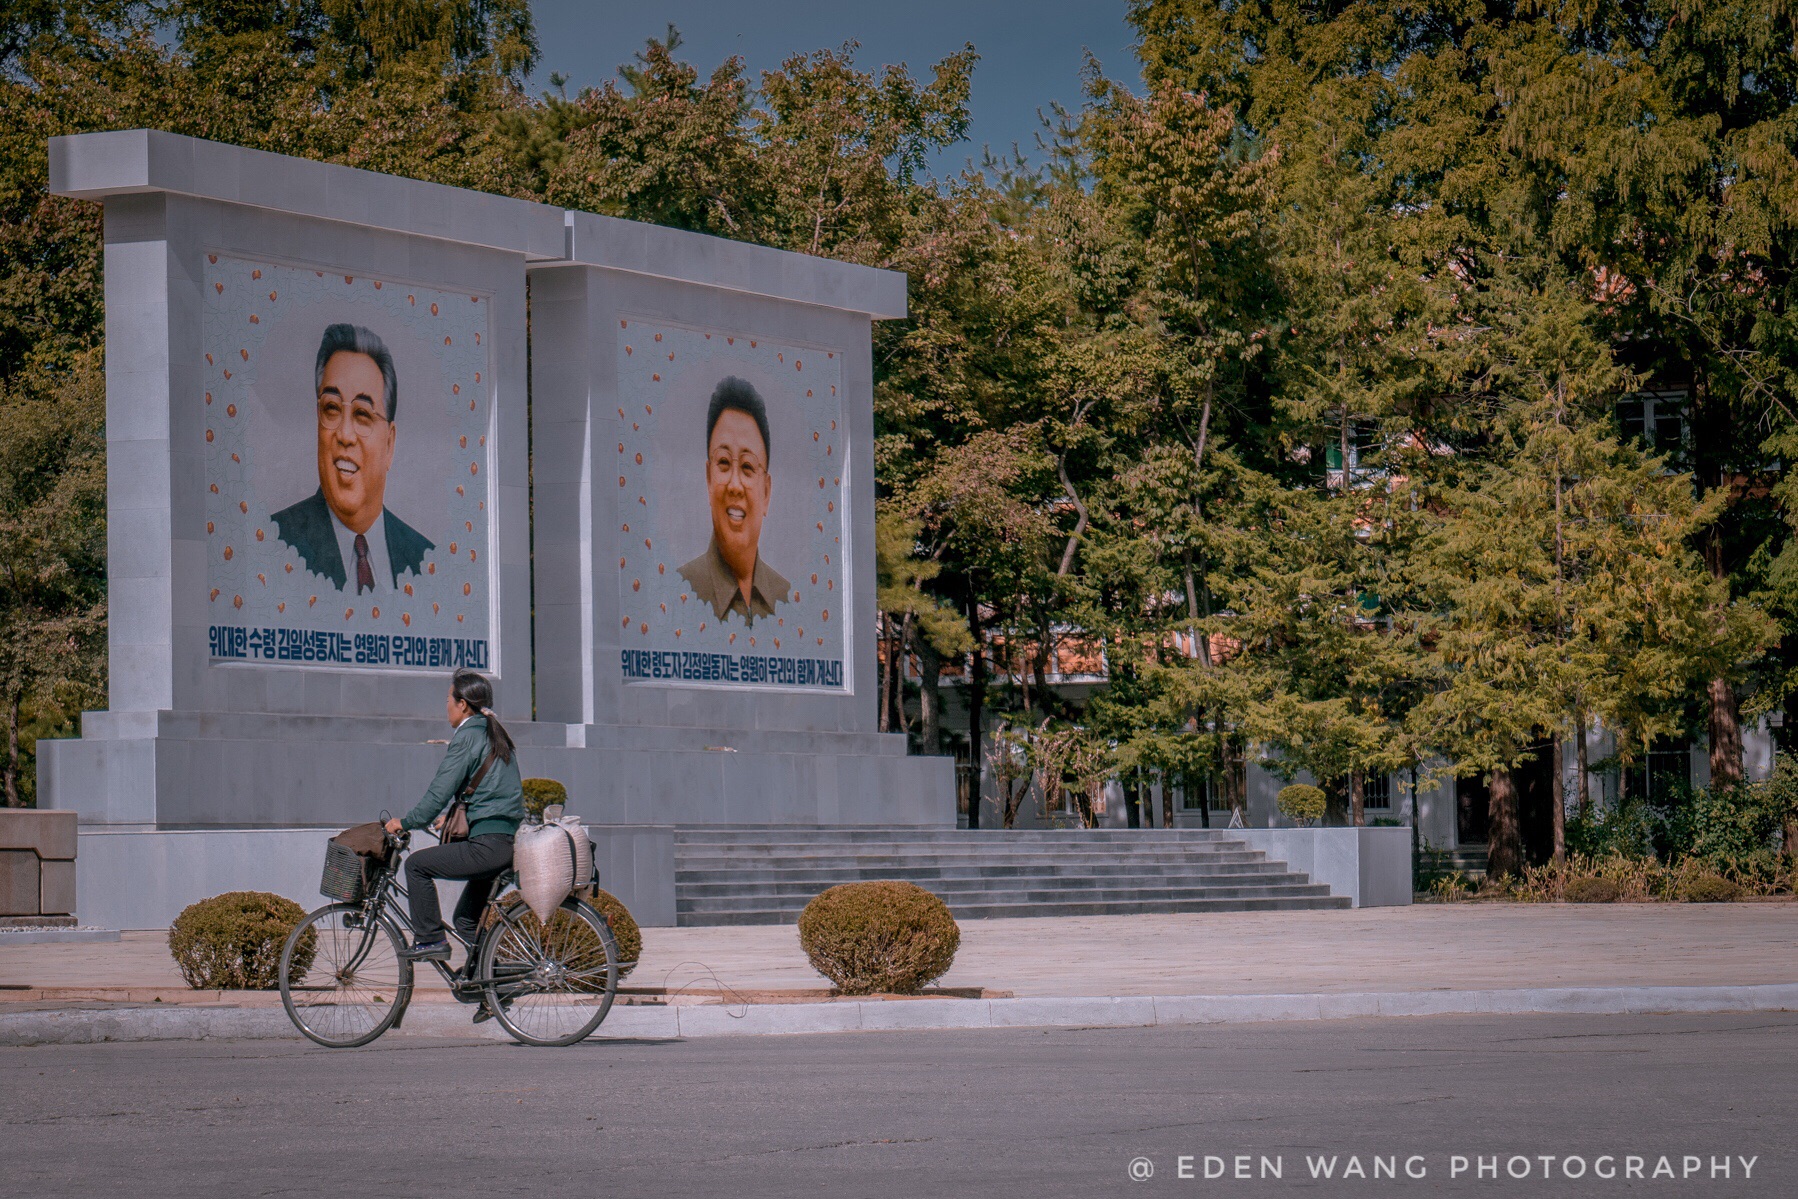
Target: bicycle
<point x="344" y="981"/>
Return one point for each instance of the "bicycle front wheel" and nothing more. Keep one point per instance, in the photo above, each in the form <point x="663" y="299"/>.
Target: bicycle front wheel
<point x="343" y="981"/>
<point x="549" y="984"/>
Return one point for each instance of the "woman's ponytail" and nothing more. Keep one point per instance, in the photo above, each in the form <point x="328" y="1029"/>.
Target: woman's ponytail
<point x="475" y="691"/>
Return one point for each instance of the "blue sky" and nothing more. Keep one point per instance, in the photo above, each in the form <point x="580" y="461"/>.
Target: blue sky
<point x="1030" y="53"/>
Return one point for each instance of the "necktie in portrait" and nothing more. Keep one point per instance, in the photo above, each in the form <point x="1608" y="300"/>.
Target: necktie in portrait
<point x="365" y="571"/>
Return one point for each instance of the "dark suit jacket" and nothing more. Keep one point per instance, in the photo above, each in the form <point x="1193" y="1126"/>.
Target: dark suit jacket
<point x="307" y="528"/>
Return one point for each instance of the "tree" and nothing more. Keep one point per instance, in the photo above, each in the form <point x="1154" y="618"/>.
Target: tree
<point x="915" y="619"/>
<point x="52" y="554"/>
<point x="1566" y="565"/>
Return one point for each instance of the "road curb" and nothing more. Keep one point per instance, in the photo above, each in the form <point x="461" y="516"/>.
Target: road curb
<point x="82" y="1026"/>
<point x="56" y="936"/>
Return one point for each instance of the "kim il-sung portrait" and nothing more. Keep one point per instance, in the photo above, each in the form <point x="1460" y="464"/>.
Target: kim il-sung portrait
<point x="344" y="530"/>
<point x="730" y="575"/>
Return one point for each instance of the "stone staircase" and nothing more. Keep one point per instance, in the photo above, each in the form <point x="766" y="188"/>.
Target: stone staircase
<point x="766" y="875"/>
<point x="1470" y="860"/>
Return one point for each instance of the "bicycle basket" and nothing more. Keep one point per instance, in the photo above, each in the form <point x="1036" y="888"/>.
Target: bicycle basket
<point x="346" y="875"/>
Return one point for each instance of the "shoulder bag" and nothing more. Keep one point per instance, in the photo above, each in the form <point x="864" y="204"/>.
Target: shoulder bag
<point x="455" y="820"/>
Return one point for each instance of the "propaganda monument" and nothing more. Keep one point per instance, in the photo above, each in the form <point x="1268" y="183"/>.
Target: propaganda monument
<point x="341" y="465"/>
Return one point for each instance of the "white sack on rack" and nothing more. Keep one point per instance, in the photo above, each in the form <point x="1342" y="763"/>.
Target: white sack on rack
<point x="583" y="848"/>
<point x="544" y="857"/>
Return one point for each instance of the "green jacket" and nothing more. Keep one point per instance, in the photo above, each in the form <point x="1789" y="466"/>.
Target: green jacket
<point x="497" y="805"/>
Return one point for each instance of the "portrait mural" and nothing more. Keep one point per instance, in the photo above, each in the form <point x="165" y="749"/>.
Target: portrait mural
<point x="346" y="456"/>
<point x="732" y="481"/>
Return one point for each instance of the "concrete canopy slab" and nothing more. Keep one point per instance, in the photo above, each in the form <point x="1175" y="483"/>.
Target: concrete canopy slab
<point x="96" y="165"/>
<point x="685" y="257"/>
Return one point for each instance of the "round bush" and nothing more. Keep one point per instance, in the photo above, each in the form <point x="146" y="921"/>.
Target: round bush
<point x="1591" y="889"/>
<point x="626" y="936"/>
<point x="540" y="793"/>
<point x="1709" y="888"/>
<point x="233" y="941"/>
<point x="880" y="936"/>
<point x="624" y="929"/>
<point x="1301" y="803"/>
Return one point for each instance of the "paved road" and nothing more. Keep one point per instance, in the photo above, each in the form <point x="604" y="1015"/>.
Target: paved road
<point x="989" y="1114"/>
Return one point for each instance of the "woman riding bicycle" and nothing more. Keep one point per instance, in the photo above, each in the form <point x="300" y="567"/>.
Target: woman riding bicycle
<point x="480" y="753"/>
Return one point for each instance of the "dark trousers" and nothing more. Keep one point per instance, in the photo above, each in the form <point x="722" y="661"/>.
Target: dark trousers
<point x="478" y="859"/>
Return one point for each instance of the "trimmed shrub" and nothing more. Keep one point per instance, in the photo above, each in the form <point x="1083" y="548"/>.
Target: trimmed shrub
<point x="1302" y="804"/>
<point x="1708" y="888"/>
<point x="879" y="936"/>
<point x="1593" y="889"/>
<point x="624" y="929"/>
<point x="626" y="936"/>
<point x="233" y="941"/>
<point x="540" y="793"/>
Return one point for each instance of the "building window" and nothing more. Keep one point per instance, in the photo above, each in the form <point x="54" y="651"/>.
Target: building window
<point x="1195" y="792"/>
<point x="1364" y="453"/>
<point x="1376" y="792"/>
<point x="1666" y="767"/>
<point x="1192" y="790"/>
<point x="1656" y="419"/>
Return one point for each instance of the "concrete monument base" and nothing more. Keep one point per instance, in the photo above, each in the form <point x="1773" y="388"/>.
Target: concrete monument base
<point x="176" y="807"/>
<point x="142" y="878"/>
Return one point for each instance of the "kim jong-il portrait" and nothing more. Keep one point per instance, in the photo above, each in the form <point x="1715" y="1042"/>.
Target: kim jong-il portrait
<point x="730" y="575"/>
<point x="344" y="530"/>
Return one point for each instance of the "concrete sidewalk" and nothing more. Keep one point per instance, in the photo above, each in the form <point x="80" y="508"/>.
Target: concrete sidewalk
<point x="1421" y="948"/>
<point x="1074" y="970"/>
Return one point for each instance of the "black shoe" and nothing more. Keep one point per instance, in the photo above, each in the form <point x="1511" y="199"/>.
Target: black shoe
<point x="485" y="1013"/>
<point x="433" y="951"/>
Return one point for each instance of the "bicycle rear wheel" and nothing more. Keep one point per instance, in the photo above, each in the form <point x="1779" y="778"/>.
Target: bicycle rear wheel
<point x="549" y="984"/>
<point x="343" y="981"/>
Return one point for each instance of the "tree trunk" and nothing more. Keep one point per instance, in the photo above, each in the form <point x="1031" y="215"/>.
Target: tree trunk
<point x="1726" y="735"/>
<point x="1039" y="669"/>
<point x="1711" y="426"/>
<point x="1336" y="803"/>
<point x="1346" y="444"/>
<point x="1236" y="778"/>
<point x="1582" y="786"/>
<point x="930" y="696"/>
<point x="1357" y="794"/>
<point x="908" y="632"/>
<point x="1012" y="798"/>
<point x="13" y="756"/>
<point x="1559" y="791"/>
<point x="976" y="711"/>
<point x="1201" y="642"/>
<point x="1416" y="825"/>
<point x="1504" y="838"/>
<point x="1082" y="519"/>
<point x="1167" y="803"/>
<point x="889" y="667"/>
